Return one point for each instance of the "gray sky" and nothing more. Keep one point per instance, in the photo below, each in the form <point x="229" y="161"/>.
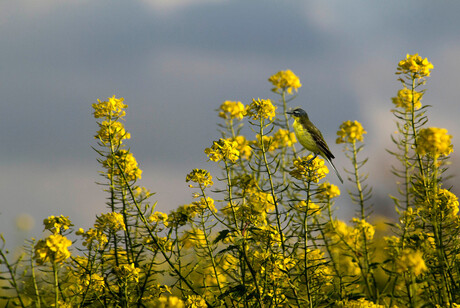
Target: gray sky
<point x="175" y="62"/>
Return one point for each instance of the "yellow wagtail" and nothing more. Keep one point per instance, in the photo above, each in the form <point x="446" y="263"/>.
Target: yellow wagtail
<point x="311" y="138"/>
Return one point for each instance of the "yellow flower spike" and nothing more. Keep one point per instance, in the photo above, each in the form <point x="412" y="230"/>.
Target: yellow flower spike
<point x="223" y="149"/>
<point x="328" y="191"/>
<point x="314" y="171"/>
<point x="200" y="176"/>
<point x="243" y="146"/>
<point x="415" y="66"/>
<point x="55" y="224"/>
<point x="231" y="110"/>
<point x="111" y="221"/>
<point x="52" y="249"/>
<point x="350" y="132"/>
<point x="405" y="97"/>
<point x="260" y="109"/>
<point x="284" y="138"/>
<point x="434" y="141"/>
<point x="112" y="108"/>
<point x="411" y="261"/>
<point x="285" y="81"/>
<point x="127" y="162"/>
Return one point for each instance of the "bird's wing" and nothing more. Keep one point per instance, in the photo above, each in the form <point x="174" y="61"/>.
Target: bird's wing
<point x="322" y="145"/>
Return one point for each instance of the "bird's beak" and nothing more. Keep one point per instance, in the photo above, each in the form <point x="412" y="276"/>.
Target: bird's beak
<point x="289" y="112"/>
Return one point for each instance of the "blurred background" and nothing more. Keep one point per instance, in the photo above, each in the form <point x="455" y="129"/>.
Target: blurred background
<point x="175" y="62"/>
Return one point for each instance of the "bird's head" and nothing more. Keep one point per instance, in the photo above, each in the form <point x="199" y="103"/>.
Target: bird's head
<point x="298" y="113"/>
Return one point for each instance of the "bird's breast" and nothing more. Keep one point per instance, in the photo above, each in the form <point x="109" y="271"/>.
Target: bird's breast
<point x="304" y="137"/>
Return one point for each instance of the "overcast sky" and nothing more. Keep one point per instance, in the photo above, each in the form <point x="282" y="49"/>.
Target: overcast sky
<point x="175" y="62"/>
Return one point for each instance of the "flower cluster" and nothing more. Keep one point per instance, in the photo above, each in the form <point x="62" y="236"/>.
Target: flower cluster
<point x="350" y="132"/>
<point x="243" y="146"/>
<point x="307" y="170"/>
<point x="200" y="176"/>
<point x="285" y="81"/>
<point x="412" y="261"/>
<point x="261" y="109"/>
<point x="327" y="191"/>
<point x="52" y="249"/>
<point x="223" y="149"/>
<point x="284" y="138"/>
<point x="113" y="132"/>
<point x="415" y="65"/>
<point x="128" y="272"/>
<point x="111" y="221"/>
<point x="112" y="108"/>
<point x="434" y="141"/>
<point x="124" y="163"/>
<point x="55" y="224"/>
<point x="406" y="98"/>
<point x="231" y="110"/>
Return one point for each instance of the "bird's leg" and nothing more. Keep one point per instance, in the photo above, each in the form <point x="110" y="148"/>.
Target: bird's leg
<point x="311" y="159"/>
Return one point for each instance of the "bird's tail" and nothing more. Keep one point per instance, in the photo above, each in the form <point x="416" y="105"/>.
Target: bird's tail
<point x="336" y="172"/>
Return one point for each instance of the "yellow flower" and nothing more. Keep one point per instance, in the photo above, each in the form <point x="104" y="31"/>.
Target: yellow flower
<point x="434" y="141"/>
<point x="169" y="302"/>
<point x="284" y="138"/>
<point x="363" y="227"/>
<point x="113" y="108"/>
<point x="93" y="235"/>
<point x="195" y="301"/>
<point x="128" y="272"/>
<point x="223" y="149"/>
<point x="411" y="261"/>
<point x="112" y="132"/>
<point x="350" y="132"/>
<point x="243" y="146"/>
<point x="261" y="108"/>
<point x="328" y="191"/>
<point x="314" y="171"/>
<point x="54" y="224"/>
<point x="406" y="97"/>
<point x="312" y="208"/>
<point x="285" y="81"/>
<point x="111" y="221"/>
<point x="200" y="176"/>
<point x="267" y="142"/>
<point x="194" y="238"/>
<point x="231" y="110"/>
<point x="159" y="217"/>
<point x="449" y="201"/>
<point x="53" y="249"/>
<point x="127" y="162"/>
<point x="94" y="282"/>
<point x="415" y="65"/>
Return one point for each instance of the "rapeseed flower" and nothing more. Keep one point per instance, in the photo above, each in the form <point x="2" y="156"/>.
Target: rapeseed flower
<point x="223" y="149"/>
<point x="243" y="146"/>
<point x="350" y="132"/>
<point x="111" y="221"/>
<point x="128" y="272"/>
<point x="311" y="209"/>
<point x="126" y="162"/>
<point x="314" y="171"/>
<point x="411" y="261"/>
<point x="112" y="108"/>
<point x="231" y="110"/>
<point x="434" y="141"/>
<point x="328" y="191"/>
<point x="284" y="138"/>
<point x="261" y="109"/>
<point x="285" y="81"/>
<point x="55" y="224"/>
<point x="52" y="249"/>
<point x="200" y="176"/>
<point x="112" y="132"/>
<point x="415" y="66"/>
<point x="406" y="98"/>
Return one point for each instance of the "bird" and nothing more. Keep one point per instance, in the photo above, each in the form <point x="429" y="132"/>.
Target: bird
<point x="311" y="138"/>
